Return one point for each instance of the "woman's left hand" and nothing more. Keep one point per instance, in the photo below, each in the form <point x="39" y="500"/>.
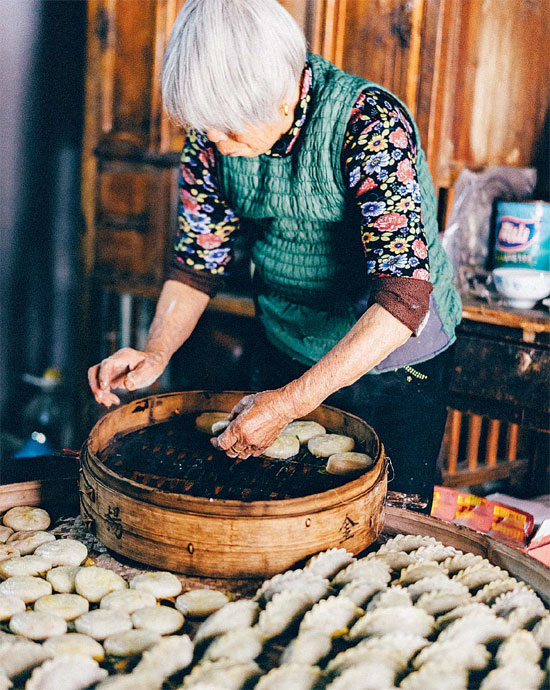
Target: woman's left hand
<point x="257" y="420"/>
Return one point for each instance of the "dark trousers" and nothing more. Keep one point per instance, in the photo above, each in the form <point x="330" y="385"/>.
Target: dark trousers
<point x="406" y="407"/>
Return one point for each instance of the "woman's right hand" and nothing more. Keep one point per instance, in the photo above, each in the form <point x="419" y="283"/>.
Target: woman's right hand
<point x="127" y="368"/>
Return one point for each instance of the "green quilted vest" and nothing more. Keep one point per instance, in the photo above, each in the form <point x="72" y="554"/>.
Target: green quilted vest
<point x="303" y="229"/>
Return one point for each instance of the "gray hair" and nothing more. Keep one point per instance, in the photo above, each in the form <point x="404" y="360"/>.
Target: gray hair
<point x="231" y="63"/>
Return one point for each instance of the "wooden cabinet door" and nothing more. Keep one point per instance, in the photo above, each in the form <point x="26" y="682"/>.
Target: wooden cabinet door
<point x="135" y="213"/>
<point x="127" y="40"/>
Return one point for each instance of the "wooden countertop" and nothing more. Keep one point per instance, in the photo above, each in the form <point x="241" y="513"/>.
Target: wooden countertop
<point x="530" y="321"/>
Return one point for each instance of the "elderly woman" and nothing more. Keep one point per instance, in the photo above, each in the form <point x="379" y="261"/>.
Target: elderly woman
<point x="324" y="173"/>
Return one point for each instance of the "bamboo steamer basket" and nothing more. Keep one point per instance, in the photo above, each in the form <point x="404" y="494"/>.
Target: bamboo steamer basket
<point x="225" y="538"/>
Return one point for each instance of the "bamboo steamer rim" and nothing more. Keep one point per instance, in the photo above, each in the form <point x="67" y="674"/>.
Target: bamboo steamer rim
<point x="91" y="462"/>
<point x="519" y="564"/>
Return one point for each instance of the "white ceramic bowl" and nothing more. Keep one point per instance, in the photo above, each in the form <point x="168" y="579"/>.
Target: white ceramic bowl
<point x="522" y="287"/>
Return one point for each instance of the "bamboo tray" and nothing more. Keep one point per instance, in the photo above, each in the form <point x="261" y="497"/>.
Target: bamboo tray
<point x="224" y="538"/>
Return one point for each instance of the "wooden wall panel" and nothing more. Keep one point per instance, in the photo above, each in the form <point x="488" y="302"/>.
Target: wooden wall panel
<point x="510" y="83"/>
<point x="491" y="85"/>
<point x="432" y="69"/>
<point x="381" y="42"/>
<point x="327" y="29"/>
<point x="300" y="10"/>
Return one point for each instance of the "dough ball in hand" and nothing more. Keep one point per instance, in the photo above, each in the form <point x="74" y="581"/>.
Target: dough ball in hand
<point x="206" y="421"/>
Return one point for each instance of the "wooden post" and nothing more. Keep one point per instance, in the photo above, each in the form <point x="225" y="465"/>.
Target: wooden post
<point x="491" y="451"/>
<point x="474" y="433"/>
<point x="455" y="419"/>
<point x="512" y="442"/>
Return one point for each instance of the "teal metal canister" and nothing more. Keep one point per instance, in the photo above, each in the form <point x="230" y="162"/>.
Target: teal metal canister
<point x="522" y="235"/>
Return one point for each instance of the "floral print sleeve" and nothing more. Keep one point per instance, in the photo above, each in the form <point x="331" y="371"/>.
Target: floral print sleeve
<point x="379" y="156"/>
<point x="206" y="224"/>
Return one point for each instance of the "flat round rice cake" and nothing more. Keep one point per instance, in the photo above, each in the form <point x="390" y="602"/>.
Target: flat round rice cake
<point x="26" y="518"/>
<point x="37" y="625"/>
<point x="345" y="463"/>
<point x="68" y="606"/>
<point x="130" y="642"/>
<point x="75" y="643"/>
<point x="285" y="446"/>
<point x="325" y="445"/>
<point x="10" y="605"/>
<point x="28" y="540"/>
<point x="163" y="620"/>
<point x="304" y="430"/>
<point x="205" y="421"/>
<point x="26" y="587"/>
<point x="199" y="603"/>
<point x="63" y="552"/>
<point x="8" y="551"/>
<point x="24" y="565"/>
<point x="161" y="584"/>
<point x="94" y="583"/>
<point x="62" y="578"/>
<point x="101" y="623"/>
<point x="127" y="600"/>
<point x="5" y="533"/>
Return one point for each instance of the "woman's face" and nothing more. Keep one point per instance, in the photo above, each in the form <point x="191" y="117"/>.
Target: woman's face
<point x="252" y="141"/>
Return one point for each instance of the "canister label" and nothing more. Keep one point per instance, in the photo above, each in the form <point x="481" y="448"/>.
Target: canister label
<point x="516" y="234"/>
<point x="522" y="237"/>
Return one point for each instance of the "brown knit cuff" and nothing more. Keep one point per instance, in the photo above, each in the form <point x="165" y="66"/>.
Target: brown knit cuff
<point x="200" y="280"/>
<point x="408" y="299"/>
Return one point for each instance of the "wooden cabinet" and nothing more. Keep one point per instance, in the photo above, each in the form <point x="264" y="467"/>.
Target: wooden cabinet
<point x="499" y="423"/>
